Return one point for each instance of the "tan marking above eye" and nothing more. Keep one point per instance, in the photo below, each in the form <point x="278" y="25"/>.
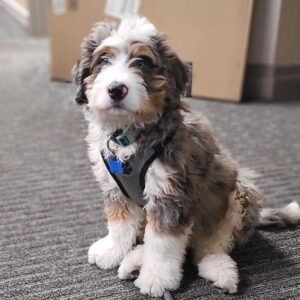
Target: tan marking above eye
<point x="140" y="49"/>
<point x="111" y="51"/>
<point x="103" y="50"/>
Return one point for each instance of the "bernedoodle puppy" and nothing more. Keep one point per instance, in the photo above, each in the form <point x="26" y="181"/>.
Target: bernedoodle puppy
<point x="165" y="183"/>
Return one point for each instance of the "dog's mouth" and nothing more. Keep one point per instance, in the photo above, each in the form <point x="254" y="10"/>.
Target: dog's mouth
<point x="118" y="105"/>
<point x="118" y="109"/>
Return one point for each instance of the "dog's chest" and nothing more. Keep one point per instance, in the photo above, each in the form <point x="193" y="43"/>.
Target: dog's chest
<point x="148" y="177"/>
<point x="130" y="174"/>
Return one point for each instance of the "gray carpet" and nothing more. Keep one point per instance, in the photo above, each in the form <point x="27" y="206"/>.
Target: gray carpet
<point x="50" y="210"/>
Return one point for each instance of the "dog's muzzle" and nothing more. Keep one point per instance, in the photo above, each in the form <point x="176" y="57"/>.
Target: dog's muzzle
<point x="117" y="91"/>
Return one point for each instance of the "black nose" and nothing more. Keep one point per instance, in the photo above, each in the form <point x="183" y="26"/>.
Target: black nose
<point x="117" y="91"/>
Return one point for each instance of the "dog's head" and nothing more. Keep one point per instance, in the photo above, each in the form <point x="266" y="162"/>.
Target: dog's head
<point x="128" y="73"/>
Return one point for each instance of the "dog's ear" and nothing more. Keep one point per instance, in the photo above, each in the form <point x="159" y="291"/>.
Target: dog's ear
<point x="82" y="69"/>
<point x="178" y="72"/>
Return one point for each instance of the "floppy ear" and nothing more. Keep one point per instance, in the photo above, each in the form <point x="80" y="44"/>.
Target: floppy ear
<point x="178" y="72"/>
<point x="82" y="69"/>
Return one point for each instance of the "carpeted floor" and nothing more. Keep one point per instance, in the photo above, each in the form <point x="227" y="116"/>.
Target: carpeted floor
<point x="50" y="210"/>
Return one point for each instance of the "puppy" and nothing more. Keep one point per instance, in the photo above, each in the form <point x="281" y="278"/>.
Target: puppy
<point x="165" y="183"/>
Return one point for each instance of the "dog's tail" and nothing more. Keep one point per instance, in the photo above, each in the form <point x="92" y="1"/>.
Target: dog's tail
<point x="280" y="217"/>
<point x="277" y="217"/>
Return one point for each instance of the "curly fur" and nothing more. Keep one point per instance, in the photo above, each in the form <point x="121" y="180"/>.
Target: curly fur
<point x="196" y="195"/>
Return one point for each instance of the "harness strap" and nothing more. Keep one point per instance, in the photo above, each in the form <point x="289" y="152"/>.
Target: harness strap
<point x="130" y="175"/>
<point x="131" y="180"/>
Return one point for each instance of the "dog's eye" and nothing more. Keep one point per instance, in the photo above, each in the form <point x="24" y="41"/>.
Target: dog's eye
<point x="143" y="61"/>
<point x="104" y="60"/>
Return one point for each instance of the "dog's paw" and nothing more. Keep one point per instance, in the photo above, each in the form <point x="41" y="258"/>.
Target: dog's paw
<point x="149" y="284"/>
<point x="227" y="285"/>
<point x="131" y="263"/>
<point x="154" y="283"/>
<point x="221" y="269"/>
<point x="105" y="253"/>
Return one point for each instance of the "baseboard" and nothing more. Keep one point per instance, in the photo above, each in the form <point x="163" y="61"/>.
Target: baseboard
<point x="17" y="11"/>
<point x="271" y="82"/>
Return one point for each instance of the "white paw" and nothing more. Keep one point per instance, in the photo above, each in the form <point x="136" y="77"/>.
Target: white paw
<point x="106" y="253"/>
<point x="131" y="263"/>
<point x="221" y="269"/>
<point x="149" y="284"/>
<point x="154" y="281"/>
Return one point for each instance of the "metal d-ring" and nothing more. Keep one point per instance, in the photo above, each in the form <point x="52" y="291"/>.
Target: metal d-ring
<point x="109" y="148"/>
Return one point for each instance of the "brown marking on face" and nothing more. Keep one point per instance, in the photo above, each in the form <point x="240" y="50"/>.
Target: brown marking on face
<point x="159" y="82"/>
<point x="152" y="107"/>
<point x="109" y="51"/>
<point x="117" y="212"/>
<point x="140" y="49"/>
<point x="155" y="104"/>
<point x="90" y="79"/>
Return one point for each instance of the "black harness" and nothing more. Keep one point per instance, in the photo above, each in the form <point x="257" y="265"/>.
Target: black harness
<point x="130" y="175"/>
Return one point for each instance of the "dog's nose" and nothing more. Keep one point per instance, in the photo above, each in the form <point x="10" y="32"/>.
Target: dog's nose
<point x="117" y="91"/>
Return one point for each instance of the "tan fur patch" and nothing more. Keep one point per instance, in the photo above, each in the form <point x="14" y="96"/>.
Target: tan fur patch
<point x="221" y="238"/>
<point x="152" y="222"/>
<point x="151" y="108"/>
<point x="140" y="49"/>
<point x="159" y="82"/>
<point x="111" y="51"/>
<point x="89" y="80"/>
<point x="117" y="212"/>
<point x="107" y="50"/>
<point x="156" y="227"/>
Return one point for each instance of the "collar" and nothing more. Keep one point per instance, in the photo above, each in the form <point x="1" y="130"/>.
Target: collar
<point x="125" y="138"/>
<point x="130" y="174"/>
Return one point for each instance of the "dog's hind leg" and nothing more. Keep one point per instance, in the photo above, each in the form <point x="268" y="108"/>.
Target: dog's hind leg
<point x="221" y="269"/>
<point x="212" y="248"/>
<point x="211" y="254"/>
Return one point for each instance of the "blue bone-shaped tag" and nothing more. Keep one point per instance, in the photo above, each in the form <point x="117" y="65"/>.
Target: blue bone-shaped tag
<point x="115" y="166"/>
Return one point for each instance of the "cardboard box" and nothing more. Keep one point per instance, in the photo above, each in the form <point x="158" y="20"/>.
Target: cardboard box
<point x="212" y="35"/>
<point x="70" y="22"/>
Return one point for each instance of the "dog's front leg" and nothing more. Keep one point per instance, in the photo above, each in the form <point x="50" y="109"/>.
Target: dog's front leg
<point x="124" y="226"/>
<point x="162" y="259"/>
